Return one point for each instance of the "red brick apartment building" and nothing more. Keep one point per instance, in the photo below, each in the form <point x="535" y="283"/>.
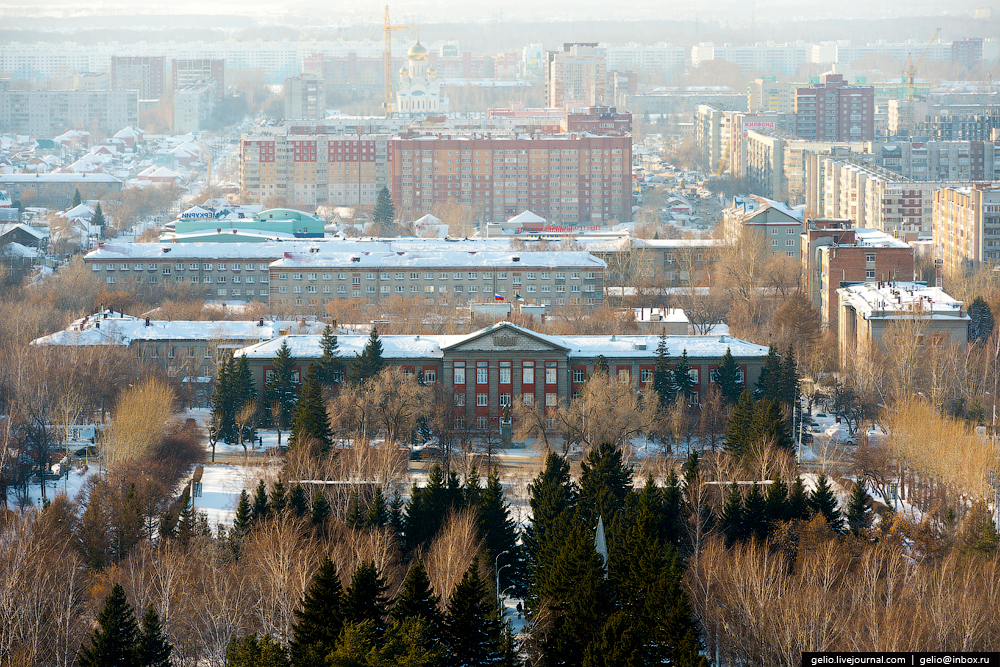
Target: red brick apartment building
<point x="835" y="111"/>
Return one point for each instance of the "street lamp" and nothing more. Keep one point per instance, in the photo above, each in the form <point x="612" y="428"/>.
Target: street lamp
<point x="496" y="563"/>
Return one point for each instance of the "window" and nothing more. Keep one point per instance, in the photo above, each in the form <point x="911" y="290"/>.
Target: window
<point x="482" y="423"/>
<point x="528" y="375"/>
<point x="551" y="400"/>
<point x="504" y="400"/>
<point x="482" y="400"/>
<point x="645" y="375"/>
<point x="623" y="375"/>
<point x="482" y="375"/>
<point x="789" y="242"/>
<point x="550" y="376"/>
<point x="473" y="276"/>
<point x="460" y="399"/>
<point x="869" y="274"/>
<point x="459" y="376"/>
<point x="430" y="375"/>
<point x="459" y="422"/>
<point x="528" y="400"/>
<point x="505" y="374"/>
<point x="356" y="280"/>
<point x="579" y="375"/>
<point x="870" y="257"/>
<point x="428" y="288"/>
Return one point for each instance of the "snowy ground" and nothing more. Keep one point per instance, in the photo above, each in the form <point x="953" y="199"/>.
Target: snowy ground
<point x="68" y="485"/>
<point x="221" y="485"/>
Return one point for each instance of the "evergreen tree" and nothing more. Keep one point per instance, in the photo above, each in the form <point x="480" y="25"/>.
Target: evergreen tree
<point x="601" y="365"/>
<point x="378" y="511"/>
<point x="396" y="512"/>
<point x="321" y="509"/>
<point x="738" y="426"/>
<point x="755" y="514"/>
<point x="298" y="502"/>
<point x="384" y="212"/>
<point x="77" y="199"/>
<point x="244" y="514"/>
<point x="472" y="491"/>
<point x="113" y="643"/>
<point x="244" y="394"/>
<point x="278" y="499"/>
<point x="498" y="531"/>
<point x="768" y="425"/>
<point x="728" y="378"/>
<point x="330" y="366"/>
<point x="365" y="599"/>
<point x="605" y="483"/>
<point x="980" y="320"/>
<point x="620" y="643"/>
<point x="682" y="377"/>
<point x="788" y="380"/>
<point x="429" y="507"/>
<point x="552" y="498"/>
<point x="186" y="518"/>
<point x="369" y="363"/>
<point x="731" y="521"/>
<point x="153" y="648"/>
<point x="223" y="423"/>
<point x="98" y="220"/>
<point x="859" y="508"/>
<point x="355" y="517"/>
<point x="282" y="387"/>
<point x="663" y="377"/>
<point x="312" y="423"/>
<point x="798" y="501"/>
<point x="776" y="501"/>
<point x="251" y="651"/>
<point x="767" y="385"/>
<point x="261" y="508"/>
<point x="673" y="516"/>
<point x="417" y="600"/>
<point x="472" y="624"/>
<point x="822" y="501"/>
<point x="319" y="622"/>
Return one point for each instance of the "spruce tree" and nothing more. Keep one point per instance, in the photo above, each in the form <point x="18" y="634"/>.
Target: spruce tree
<point x="755" y="514"/>
<point x="396" y="512"/>
<point x="497" y="529"/>
<point x="683" y="381"/>
<point x="663" y="377"/>
<point x="384" y="212"/>
<point x="279" y="500"/>
<point x="798" y="501"/>
<point x="620" y="643"/>
<point x="673" y="513"/>
<point x="417" y="600"/>
<point x="186" y="518"/>
<point x="261" y="508"/>
<point x="223" y="423"/>
<point x="788" y="380"/>
<point x="330" y="366"/>
<point x="319" y="622"/>
<point x="254" y="651"/>
<point x="859" y="508"/>
<point x="727" y="378"/>
<point x="776" y="501"/>
<point x="365" y="599"/>
<point x="378" y="511"/>
<point x="98" y="220"/>
<point x="321" y="509"/>
<point x="244" y="514"/>
<point x="552" y="498"/>
<point x="114" y="641"/>
<point x="244" y="393"/>
<point x="980" y="320"/>
<point x="767" y="385"/>
<point x="472" y="624"/>
<point x="369" y="363"/>
<point x="472" y="490"/>
<point x="822" y="501"/>
<point x="738" y="426"/>
<point x="731" y="521"/>
<point x="77" y="199"/>
<point x="312" y="423"/>
<point x="769" y="426"/>
<point x="282" y="387"/>
<point x="298" y="502"/>
<point x="355" y="516"/>
<point x="605" y="484"/>
<point x="153" y="648"/>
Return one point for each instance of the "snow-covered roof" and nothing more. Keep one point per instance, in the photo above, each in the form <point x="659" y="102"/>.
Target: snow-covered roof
<point x="118" y="330"/>
<point x="79" y="211"/>
<point x="19" y="250"/>
<point x="393" y="347"/>
<point x="525" y="217"/>
<point x="58" y="178"/>
<point x="427" y="220"/>
<point x="428" y="259"/>
<point x="7" y="227"/>
<point x="896" y="300"/>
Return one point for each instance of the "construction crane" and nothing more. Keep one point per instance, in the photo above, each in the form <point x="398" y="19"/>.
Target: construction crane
<point x="910" y="73"/>
<point x="387" y="31"/>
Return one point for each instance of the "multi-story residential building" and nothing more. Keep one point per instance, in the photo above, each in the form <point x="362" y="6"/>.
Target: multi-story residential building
<point x="57" y="190"/>
<point x="566" y="178"/>
<point x="780" y="224"/>
<point x="939" y="160"/>
<point x="967" y="52"/>
<point x="307" y="281"/>
<point x="310" y="167"/>
<point x="47" y="113"/>
<point x="781" y="59"/>
<point x="576" y="76"/>
<point x="305" y="98"/>
<point x="835" y="111"/>
<point x="770" y="95"/>
<point x="833" y="253"/>
<point x="146" y="74"/>
<point x="489" y="370"/>
<point x="598" y="120"/>
<point x="868" y="309"/>
<point x="980" y="125"/>
<point x="967" y="227"/>
<point x="184" y="73"/>
<point x="648" y="59"/>
<point x="193" y="106"/>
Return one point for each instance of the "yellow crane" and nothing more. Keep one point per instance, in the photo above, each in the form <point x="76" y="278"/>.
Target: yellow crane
<point x="387" y="32"/>
<point x="910" y="73"/>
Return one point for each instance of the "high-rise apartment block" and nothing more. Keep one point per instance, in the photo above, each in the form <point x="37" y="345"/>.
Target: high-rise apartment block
<point x="193" y="106"/>
<point x="47" y="113"/>
<point x="147" y="75"/>
<point x="305" y="98"/>
<point x="835" y="111"/>
<point x="568" y="178"/>
<point x="770" y="95"/>
<point x="575" y="76"/>
<point x="309" y="167"/>
<point x="967" y="52"/>
<point x="184" y="73"/>
<point x="967" y="227"/>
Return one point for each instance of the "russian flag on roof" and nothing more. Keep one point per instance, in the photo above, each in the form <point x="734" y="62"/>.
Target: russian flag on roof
<point x="497" y="297"/>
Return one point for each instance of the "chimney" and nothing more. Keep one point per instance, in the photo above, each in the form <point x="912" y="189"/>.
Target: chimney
<point x="147" y="321"/>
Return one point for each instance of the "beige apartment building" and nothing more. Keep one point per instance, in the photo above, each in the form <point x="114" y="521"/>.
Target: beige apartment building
<point x="967" y="227"/>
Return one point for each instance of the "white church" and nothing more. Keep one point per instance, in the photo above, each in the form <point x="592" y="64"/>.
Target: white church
<point x="419" y="93"/>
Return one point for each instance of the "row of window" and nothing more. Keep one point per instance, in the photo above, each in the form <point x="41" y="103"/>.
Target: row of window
<point x="444" y="275"/>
